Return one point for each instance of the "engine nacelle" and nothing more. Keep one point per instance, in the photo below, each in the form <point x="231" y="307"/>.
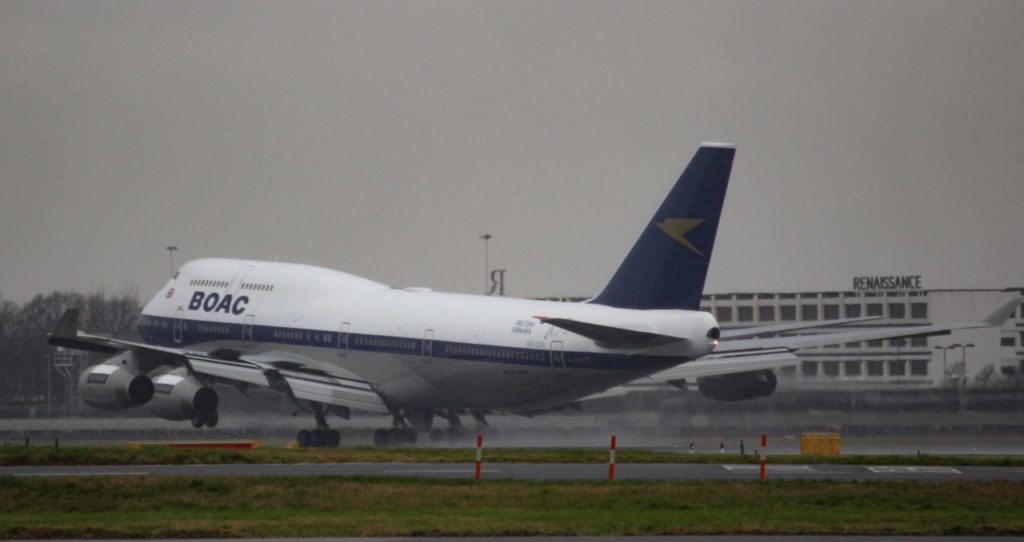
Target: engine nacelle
<point x="182" y="397"/>
<point x="738" y="386"/>
<point x="113" y="386"/>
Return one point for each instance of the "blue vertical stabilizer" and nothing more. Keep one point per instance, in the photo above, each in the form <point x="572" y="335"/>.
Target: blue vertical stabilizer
<point x="668" y="264"/>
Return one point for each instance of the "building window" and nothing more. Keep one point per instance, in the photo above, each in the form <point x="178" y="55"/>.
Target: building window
<point x="920" y="340"/>
<point x="725" y="314"/>
<point x="1008" y="340"/>
<point x="919" y="367"/>
<point x="898" y="367"/>
<point x="875" y="343"/>
<point x="830" y="368"/>
<point x="852" y="368"/>
<point x="793" y="296"/>
<point x="746" y="314"/>
<point x="897" y="310"/>
<point x="874" y="309"/>
<point x="809" y="368"/>
<point x="809" y="295"/>
<point x="766" y="314"/>
<point x="789" y="371"/>
<point x="897" y="343"/>
<point x="876" y="368"/>
<point x="787" y="312"/>
<point x="919" y="310"/>
<point x="808" y="312"/>
<point x="831" y="312"/>
<point x="852" y="311"/>
<point x="744" y="296"/>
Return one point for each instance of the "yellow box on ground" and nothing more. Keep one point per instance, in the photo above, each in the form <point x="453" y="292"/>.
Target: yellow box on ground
<point x="819" y="444"/>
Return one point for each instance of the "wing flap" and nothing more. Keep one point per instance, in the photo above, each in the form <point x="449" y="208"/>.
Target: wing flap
<point x="336" y="392"/>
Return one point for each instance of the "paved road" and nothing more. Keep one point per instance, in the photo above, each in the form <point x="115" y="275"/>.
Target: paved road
<point x="689" y="538"/>
<point x="545" y="471"/>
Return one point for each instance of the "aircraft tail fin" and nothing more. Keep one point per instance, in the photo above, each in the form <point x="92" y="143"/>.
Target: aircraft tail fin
<point x="668" y="264"/>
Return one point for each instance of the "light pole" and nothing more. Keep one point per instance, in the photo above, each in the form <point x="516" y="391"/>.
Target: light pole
<point x="945" y="374"/>
<point x="170" y="251"/>
<point x="486" y="237"/>
<point x="963" y="358"/>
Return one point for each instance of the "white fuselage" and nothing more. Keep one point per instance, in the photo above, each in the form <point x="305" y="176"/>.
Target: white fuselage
<point x="415" y="347"/>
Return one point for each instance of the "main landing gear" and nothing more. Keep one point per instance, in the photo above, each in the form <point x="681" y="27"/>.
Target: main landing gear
<point x="402" y="433"/>
<point x="408" y="422"/>
<point x="321" y="437"/>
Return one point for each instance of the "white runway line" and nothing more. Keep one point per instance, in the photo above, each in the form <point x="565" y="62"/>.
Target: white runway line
<point x="26" y="474"/>
<point x="438" y="471"/>
<point x="913" y="470"/>
<point x="780" y="469"/>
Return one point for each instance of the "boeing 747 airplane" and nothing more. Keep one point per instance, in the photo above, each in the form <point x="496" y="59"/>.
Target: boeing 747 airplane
<point x="333" y="342"/>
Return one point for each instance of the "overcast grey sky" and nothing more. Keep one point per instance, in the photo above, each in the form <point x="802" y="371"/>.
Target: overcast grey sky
<point x="383" y="138"/>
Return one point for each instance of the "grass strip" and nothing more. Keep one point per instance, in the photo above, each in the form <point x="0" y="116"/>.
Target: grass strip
<point x="40" y="456"/>
<point x="149" y="507"/>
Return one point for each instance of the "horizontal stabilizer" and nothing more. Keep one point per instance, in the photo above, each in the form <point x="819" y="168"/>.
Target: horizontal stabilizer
<point x="612" y="337"/>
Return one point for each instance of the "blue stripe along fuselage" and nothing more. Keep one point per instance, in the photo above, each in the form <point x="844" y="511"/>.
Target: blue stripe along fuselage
<point x="159" y="330"/>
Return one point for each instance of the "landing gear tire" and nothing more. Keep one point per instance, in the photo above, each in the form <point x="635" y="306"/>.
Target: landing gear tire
<point x="332" y="438"/>
<point x="383" y="438"/>
<point x="318" y="438"/>
<point x="197" y="422"/>
<point x="409" y="436"/>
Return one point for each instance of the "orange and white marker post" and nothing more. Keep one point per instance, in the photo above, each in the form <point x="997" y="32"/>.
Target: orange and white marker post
<point x="479" y="452"/>
<point x="764" y="452"/>
<point x="611" y="460"/>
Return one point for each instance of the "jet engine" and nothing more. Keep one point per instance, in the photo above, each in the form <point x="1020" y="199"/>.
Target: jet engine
<point x="178" y="396"/>
<point x="738" y="386"/>
<point x="114" y="387"/>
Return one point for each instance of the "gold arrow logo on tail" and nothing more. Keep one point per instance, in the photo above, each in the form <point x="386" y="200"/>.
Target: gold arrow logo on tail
<point x="676" y="228"/>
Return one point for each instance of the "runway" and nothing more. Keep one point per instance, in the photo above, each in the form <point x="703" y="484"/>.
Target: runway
<point x="545" y="471"/>
<point x="669" y="538"/>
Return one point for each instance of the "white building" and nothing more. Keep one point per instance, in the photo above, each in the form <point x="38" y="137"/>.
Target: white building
<point x="962" y="357"/>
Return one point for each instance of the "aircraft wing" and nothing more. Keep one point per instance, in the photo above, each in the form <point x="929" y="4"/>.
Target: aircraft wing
<point x="746" y="355"/>
<point x="719" y="364"/>
<point x="743" y="332"/>
<point x="796" y="342"/>
<point x="289" y="378"/>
